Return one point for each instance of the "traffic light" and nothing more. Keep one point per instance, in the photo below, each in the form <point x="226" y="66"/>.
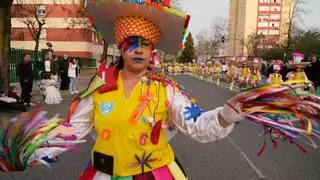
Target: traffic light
<point x="222" y="39"/>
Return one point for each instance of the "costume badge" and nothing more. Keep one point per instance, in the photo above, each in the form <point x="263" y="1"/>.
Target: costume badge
<point x="106" y="108"/>
<point x="192" y="112"/>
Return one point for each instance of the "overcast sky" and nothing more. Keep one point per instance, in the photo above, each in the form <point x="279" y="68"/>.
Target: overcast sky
<point x="204" y="11"/>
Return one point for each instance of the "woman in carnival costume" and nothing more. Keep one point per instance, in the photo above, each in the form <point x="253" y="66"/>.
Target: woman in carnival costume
<point x="207" y="73"/>
<point x="135" y="112"/>
<point x="298" y="65"/>
<point x="244" y="73"/>
<point x="275" y="77"/>
<point x="217" y="72"/>
<point x="231" y="73"/>
<point x="298" y="74"/>
<point x="255" y="76"/>
<point x="170" y="68"/>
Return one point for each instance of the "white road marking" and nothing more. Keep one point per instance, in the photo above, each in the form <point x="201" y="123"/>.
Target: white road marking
<point x="258" y="172"/>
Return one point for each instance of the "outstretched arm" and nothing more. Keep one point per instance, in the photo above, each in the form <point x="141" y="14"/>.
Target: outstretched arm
<point x="199" y="125"/>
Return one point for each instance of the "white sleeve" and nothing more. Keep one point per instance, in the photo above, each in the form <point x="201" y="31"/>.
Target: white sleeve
<point x="194" y="122"/>
<point x="81" y="120"/>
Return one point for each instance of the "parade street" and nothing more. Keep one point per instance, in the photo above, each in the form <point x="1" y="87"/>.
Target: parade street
<point x="231" y="158"/>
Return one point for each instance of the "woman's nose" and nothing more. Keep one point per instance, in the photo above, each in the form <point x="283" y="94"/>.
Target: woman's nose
<point x="138" y="50"/>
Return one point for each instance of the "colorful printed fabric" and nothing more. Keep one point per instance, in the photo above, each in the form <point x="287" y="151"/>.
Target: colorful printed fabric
<point x="126" y="27"/>
<point x="170" y="172"/>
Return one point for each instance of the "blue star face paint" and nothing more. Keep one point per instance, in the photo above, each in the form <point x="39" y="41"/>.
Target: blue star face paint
<point x="135" y="42"/>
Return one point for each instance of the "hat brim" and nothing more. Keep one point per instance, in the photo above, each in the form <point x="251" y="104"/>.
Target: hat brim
<point x="304" y="64"/>
<point x="171" y="26"/>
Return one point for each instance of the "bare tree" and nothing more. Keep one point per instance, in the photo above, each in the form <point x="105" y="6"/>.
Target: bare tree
<point x="219" y="28"/>
<point x="209" y="42"/>
<point x="254" y="44"/>
<point x="33" y="16"/>
<point x="295" y="10"/>
<point x="5" y="30"/>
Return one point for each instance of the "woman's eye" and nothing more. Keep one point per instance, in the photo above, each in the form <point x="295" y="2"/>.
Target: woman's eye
<point x="145" y="43"/>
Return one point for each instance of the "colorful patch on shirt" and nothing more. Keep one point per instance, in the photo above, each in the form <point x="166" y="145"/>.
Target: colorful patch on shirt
<point x="192" y="112"/>
<point x="106" y="108"/>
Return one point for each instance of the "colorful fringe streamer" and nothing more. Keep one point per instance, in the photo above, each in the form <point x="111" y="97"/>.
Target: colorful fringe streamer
<point x="21" y="136"/>
<point x="286" y="111"/>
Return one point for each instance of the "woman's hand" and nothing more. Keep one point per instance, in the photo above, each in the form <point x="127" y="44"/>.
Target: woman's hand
<point x="231" y="111"/>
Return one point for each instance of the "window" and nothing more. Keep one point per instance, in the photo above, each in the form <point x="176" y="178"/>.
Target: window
<point x="263" y="18"/>
<point x="43" y="34"/>
<point x="274" y="32"/>
<point x="264" y="8"/>
<point x="275" y="16"/>
<point x="264" y="1"/>
<point x="41" y="10"/>
<point x="263" y="24"/>
<point x="275" y="8"/>
<point x="275" y="24"/>
<point x="263" y="32"/>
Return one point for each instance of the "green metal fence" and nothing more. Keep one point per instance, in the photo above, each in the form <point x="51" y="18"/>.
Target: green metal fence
<point x="84" y="63"/>
<point x="17" y="57"/>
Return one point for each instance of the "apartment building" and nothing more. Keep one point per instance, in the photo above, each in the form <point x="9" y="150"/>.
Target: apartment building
<point x="64" y="27"/>
<point x="268" y="19"/>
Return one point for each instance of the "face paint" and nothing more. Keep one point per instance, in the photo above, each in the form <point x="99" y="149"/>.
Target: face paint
<point x="133" y="43"/>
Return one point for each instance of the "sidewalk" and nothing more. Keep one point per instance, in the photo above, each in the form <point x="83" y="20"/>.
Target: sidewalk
<point x="81" y="83"/>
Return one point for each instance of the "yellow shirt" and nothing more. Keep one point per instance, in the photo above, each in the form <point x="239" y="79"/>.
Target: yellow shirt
<point x="276" y="78"/>
<point x="125" y="140"/>
<point x="232" y="70"/>
<point x="217" y="69"/>
<point x="244" y="72"/>
<point x="255" y="75"/>
<point x="299" y="76"/>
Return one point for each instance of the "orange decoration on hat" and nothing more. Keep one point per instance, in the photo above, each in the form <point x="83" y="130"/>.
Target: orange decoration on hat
<point x="126" y="27"/>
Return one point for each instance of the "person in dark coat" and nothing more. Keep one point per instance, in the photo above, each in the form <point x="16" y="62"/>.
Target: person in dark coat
<point x="63" y="68"/>
<point x="313" y="71"/>
<point x="24" y="71"/>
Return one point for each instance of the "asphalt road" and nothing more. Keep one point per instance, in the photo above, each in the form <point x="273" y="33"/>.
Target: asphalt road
<point x="231" y="158"/>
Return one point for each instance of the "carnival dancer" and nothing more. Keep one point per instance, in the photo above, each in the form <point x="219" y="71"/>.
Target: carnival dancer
<point x="129" y="106"/>
<point x="298" y="74"/>
<point x="244" y="74"/>
<point x="170" y="68"/>
<point x="217" y="72"/>
<point x="255" y="76"/>
<point x="231" y="73"/>
<point x="134" y="111"/>
<point x="209" y="72"/>
<point x="275" y="77"/>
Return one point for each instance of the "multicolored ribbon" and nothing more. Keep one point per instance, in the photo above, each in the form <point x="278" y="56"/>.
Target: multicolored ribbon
<point x="22" y="136"/>
<point x="285" y="111"/>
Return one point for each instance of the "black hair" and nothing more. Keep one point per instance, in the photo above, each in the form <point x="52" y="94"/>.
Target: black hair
<point x="120" y="63"/>
<point x="46" y="75"/>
